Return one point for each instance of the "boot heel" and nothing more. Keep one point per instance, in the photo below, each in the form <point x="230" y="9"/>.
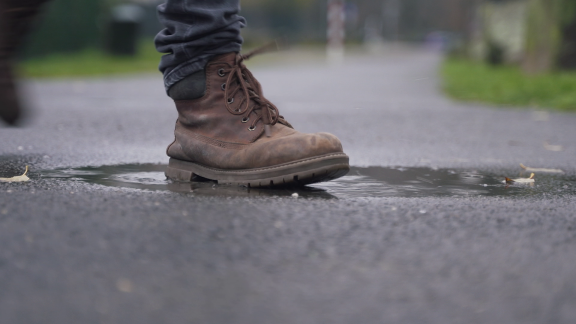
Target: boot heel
<point x="178" y="174"/>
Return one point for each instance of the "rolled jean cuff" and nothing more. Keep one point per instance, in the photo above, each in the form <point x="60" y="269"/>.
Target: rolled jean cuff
<point x="195" y="31"/>
<point x="197" y="64"/>
<point x="185" y="69"/>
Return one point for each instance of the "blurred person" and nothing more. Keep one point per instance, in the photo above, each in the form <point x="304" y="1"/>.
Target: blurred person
<point x="16" y="17"/>
<point x="226" y="129"/>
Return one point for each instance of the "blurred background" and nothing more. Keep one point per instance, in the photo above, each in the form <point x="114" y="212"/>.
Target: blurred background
<point x="511" y="52"/>
<point x="91" y="23"/>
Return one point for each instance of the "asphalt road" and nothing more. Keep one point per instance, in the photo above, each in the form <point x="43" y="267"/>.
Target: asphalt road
<point x="76" y="247"/>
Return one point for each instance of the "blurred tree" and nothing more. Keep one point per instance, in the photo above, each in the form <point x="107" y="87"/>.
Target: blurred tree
<point x="404" y="20"/>
<point x="550" y="35"/>
<point x="70" y="25"/>
<point x="543" y="35"/>
<point x="567" y="51"/>
<point x="282" y="16"/>
<point x="67" y="25"/>
<point x="272" y="18"/>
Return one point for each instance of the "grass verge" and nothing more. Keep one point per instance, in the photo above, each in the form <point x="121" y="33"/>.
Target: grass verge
<point x="91" y="62"/>
<point x="508" y="86"/>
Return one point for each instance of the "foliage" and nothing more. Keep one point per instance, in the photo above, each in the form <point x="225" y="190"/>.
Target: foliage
<point x="507" y="85"/>
<point x="543" y="36"/>
<point x="92" y="62"/>
<point x="65" y="26"/>
<point x="567" y="11"/>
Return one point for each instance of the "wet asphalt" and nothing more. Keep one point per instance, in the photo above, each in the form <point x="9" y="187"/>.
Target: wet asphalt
<point x="98" y="236"/>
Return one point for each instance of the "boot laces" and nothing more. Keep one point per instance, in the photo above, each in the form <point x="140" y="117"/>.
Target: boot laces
<point x="253" y="101"/>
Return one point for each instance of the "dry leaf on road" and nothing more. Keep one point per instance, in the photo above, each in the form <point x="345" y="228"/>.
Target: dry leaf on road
<point x="521" y="180"/>
<point x="553" y="148"/>
<point x="22" y="178"/>
<point x="529" y="169"/>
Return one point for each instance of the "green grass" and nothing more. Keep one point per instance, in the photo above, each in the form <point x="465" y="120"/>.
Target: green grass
<point x="91" y="62"/>
<point x="508" y="86"/>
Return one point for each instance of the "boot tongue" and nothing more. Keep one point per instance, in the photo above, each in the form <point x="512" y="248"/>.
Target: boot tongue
<point x="245" y="85"/>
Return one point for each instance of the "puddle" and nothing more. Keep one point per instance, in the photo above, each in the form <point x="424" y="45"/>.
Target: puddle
<point x="427" y="182"/>
<point x="151" y="177"/>
<point x="368" y="182"/>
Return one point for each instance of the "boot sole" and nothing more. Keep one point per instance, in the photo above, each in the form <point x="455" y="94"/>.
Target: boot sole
<point x="297" y="173"/>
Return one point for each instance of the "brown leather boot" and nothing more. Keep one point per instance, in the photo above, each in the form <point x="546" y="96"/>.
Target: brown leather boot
<point x="16" y="17"/>
<point x="233" y="134"/>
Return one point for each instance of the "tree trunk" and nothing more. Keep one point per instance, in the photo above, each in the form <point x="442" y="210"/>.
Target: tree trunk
<point x="567" y="54"/>
<point x="543" y="36"/>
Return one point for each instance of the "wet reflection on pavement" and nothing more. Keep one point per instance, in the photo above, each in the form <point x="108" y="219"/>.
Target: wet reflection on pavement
<point x="370" y="182"/>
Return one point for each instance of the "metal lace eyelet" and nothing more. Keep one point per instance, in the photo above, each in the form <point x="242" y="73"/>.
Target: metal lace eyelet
<point x="245" y="119"/>
<point x="239" y="110"/>
<point x="252" y="128"/>
<point x="231" y="100"/>
<point x="221" y="72"/>
<point x="223" y="86"/>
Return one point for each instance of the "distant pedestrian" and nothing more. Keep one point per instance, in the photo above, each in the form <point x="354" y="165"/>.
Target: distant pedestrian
<point x="16" y="17"/>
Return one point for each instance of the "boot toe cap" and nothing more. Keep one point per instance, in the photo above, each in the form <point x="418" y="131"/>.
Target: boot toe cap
<point x="324" y="143"/>
<point x="297" y="147"/>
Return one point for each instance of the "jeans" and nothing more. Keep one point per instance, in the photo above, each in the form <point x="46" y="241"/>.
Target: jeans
<point x="196" y="30"/>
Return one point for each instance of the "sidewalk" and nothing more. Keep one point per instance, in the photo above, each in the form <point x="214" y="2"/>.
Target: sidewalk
<point x="75" y="251"/>
<point x="387" y="108"/>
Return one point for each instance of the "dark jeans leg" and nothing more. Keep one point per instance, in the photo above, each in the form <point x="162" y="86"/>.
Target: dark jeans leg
<point x="196" y="30"/>
<point x="16" y="17"/>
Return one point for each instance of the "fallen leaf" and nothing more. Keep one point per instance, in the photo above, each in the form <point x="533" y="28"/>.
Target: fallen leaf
<point x="553" y="148"/>
<point x="124" y="285"/>
<point x="529" y="169"/>
<point x="22" y="178"/>
<point x="521" y="180"/>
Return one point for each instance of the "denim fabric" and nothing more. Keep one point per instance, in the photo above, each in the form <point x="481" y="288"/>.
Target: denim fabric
<point x="196" y="30"/>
